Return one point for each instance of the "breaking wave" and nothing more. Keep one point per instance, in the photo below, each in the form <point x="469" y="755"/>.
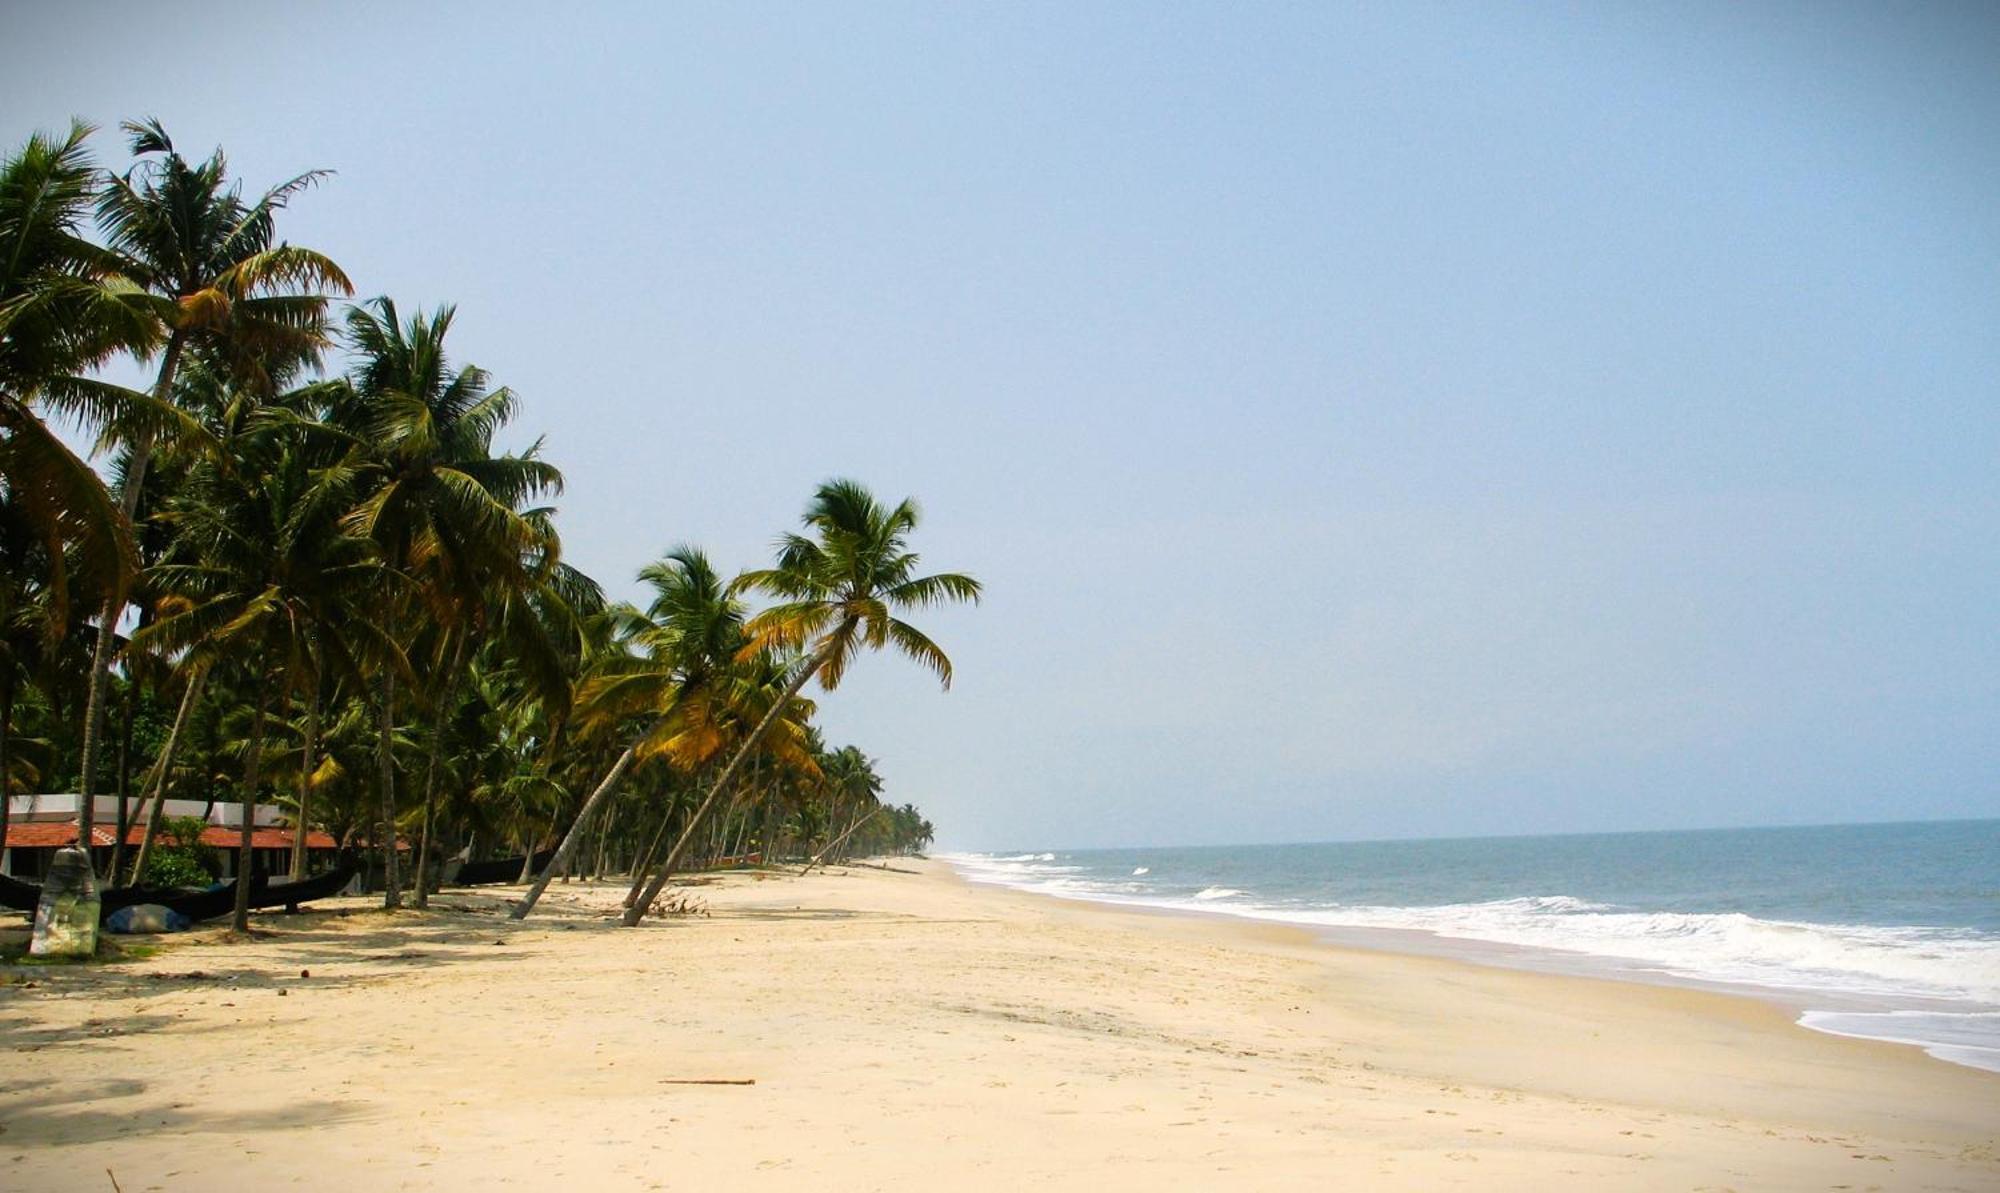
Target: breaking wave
<point x="1896" y="964"/>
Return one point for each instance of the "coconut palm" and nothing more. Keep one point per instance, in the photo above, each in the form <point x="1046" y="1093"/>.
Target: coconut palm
<point x="63" y="310"/>
<point x="262" y="576"/>
<point x="333" y="790"/>
<point x="159" y="778"/>
<point x="292" y="551"/>
<point x="27" y="629"/>
<point x="851" y="781"/>
<point x="219" y="285"/>
<point x="435" y="499"/>
<point x="668" y="686"/>
<point x="526" y="631"/>
<point x="839" y="590"/>
<point x="240" y="428"/>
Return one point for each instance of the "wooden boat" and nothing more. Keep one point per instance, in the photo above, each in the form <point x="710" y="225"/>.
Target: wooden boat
<point x="506" y="869"/>
<point x="211" y="904"/>
<point x="18" y="895"/>
<point x="218" y="900"/>
<point x="289" y="895"/>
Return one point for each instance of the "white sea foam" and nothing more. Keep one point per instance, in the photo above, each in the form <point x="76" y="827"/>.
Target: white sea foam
<point x="1865" y="965"/>
<point x="1138" y="870"/>
<point x="1731" y="947"/>
<point x="1860" y="959"/>
<point x="1963" y="1037"/>
<point x="1026" y="871"/>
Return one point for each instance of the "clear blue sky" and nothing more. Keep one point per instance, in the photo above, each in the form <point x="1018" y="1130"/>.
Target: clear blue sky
<point x="1399" y="419"/>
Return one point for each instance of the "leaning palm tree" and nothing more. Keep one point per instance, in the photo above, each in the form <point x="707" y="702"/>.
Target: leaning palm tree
<point x="665" y="689"/>
<point x="850" y="781"/>
<point x="218" y="284"/>
<point x="839" y="589"/>
<point x="523" y="626"/>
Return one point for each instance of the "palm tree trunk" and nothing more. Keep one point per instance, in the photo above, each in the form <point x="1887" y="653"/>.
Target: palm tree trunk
<point x="114" y="604"/>
<point x="6" y="786"/>
<point x="385" y="768"/>
<point x="833" y="806"/>
<point x="156" y="782"/>
<point x="528" y="858"/>
<point x="769" y="833"/>
<point x="560" y="861"/>
<point x="306" y="764"/>
<point x="858" y="822"/>
<point x="604" y="838"/>
<point x="246" y="856"/>
<point x="712" y="850"/>
<point x="423" y="859"/>
<point x="124" y="820"/>
<point x="742" y="831"/>
<point x="93" y="717"/>
<point x="639" y="864"/>
<point x="208" y="782"/>
<point x="806" y="671"/>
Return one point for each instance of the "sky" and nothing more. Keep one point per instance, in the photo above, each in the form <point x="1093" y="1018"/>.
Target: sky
<point x="1373" y="420"/>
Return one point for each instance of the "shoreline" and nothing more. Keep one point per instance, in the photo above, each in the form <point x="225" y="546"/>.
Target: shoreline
<point x="1804" y="1004"/>
<point x="912" y="1030"/>
<point x="1496" y="956"/>
<point x="1931" y="1022"/>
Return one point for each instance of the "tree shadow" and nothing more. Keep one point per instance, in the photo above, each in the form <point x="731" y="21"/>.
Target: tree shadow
<point x="83" y="1113"/>
<point x="781" y="914"/>
<point x="39" y="1036"/>
<point x="334" y="957"/>
<point x="37" y="1093"/>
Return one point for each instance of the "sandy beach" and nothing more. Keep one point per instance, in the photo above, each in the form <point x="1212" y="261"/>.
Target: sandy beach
<point x="903" y="1030"/>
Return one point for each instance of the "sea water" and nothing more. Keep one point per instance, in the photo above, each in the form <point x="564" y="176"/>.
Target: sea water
<point x="1887" y="931"/>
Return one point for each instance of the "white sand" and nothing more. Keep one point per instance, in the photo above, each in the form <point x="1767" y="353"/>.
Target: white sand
<point x="907" y="1032"/>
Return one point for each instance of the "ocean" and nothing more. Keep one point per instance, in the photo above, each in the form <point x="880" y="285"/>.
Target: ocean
<point x="1887" y="931"/>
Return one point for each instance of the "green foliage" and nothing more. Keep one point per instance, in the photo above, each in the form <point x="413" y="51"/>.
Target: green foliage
<point x="347" y="537"/>
<point x="181" y="859"/>
<point x="174" y="868"/>
<point x="150" y="722"/>
<point x="839" y="586"/>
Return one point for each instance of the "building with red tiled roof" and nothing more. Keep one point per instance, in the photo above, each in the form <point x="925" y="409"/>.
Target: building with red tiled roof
<point x="38" y="825"/>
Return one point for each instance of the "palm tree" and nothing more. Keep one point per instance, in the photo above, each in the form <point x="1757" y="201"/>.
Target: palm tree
<point x="262" y="575"/>
<point x="438" y="503"/>
<point x="523" y="630"/>
<point x="160" y="776"/>
<point x="218" y="283"/>
<point x="330" y="792"/>
<point x="28" y="626"/>
<point x="63" y="310"/>
<point x="839" y="591"/>
<point x="229" y="415"/>
<point x="672" y="676"/>
<point x="851" y="780"/>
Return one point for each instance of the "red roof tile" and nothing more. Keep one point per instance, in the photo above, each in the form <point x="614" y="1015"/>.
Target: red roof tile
<point x="47" y="835"/>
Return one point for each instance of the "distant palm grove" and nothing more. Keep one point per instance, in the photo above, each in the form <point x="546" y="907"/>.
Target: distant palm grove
<point x="307" y="577"/>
